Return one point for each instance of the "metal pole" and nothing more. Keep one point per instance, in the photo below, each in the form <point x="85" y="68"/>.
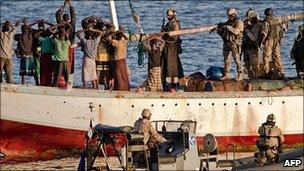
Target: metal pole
<point x="113" y="14"/>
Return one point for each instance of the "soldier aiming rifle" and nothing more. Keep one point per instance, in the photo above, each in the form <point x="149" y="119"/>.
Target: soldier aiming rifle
<point x="231" y="32"/>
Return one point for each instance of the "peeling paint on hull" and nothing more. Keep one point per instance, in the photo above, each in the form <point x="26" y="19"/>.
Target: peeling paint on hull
<point x="46" y="120"/>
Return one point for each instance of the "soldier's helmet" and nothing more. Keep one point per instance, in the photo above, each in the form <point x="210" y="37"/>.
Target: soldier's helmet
<point x="146" y="113"/>
<point x="252" y="14"/>
<point x="171" y="10"/>
<point x="268" y="11"/>
<point x="231" y="11"/>
<point x="271" y="118"/>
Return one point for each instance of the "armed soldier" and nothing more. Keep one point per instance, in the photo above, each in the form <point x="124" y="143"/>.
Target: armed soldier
<point x="143" y="125"/>
<point x="297" y="52"/>
<point x="271" y="36"/>
<point x="231" y="32"/>
<point x="250" y="44"/>
<point x="270" y="141"/>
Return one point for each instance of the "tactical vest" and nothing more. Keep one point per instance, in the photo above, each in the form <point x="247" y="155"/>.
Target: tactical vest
<point x="275" y="29"/>
<point x="270" y="136"/>
<point x="229" y="37"/>
<point x="246" y="41"/>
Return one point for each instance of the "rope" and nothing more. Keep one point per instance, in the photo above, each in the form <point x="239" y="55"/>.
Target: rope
<point x="269" y="97"/>
<point x="136" y="18"/>
<point x="140" y="46"/>
<point x="141" y="53"/>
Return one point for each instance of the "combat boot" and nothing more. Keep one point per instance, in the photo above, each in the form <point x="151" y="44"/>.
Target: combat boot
<point x="239" y="77"/>
<point x="225" y="77"/>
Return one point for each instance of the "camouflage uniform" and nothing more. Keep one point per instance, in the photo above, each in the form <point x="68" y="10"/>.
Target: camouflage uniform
<point x="150" y="134"/>
<point x="270" y="139"/>
<point x="251" y="50"/>
<point x="272" y="33"/>
<point x="231" y="36"/>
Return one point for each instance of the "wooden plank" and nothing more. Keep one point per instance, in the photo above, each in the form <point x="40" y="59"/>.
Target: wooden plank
<point x="192" y="30"/>
<point x="207" y="28"/>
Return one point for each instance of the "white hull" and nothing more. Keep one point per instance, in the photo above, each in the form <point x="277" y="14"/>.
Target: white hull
<point x="70" y="109"/>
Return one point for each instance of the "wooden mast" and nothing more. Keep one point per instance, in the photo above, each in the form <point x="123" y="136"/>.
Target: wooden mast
<point x="113" y="14"/>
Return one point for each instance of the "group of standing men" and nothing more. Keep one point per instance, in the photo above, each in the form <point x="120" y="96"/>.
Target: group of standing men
<point x="46" y="54"/>
<point x="248" y="38"/>
<point x="251" y="36"/>
<point x="49" y="53"/>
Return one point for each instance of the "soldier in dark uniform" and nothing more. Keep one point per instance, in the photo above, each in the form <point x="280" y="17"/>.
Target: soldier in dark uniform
<point x="270" y="141"/>
<point x="297" y="52"/>
<point x="172" y="66"/>
<point x="231" y="32"/>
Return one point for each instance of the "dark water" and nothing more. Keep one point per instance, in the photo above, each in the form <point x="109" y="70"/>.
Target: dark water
<point x="200" y="50"/>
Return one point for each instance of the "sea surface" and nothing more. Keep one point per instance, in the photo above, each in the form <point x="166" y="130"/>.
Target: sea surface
<point x="200" y="50"/>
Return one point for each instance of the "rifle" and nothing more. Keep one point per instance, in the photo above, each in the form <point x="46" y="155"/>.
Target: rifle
<point x="280" y="151"/>
<point x="163" y="24"/>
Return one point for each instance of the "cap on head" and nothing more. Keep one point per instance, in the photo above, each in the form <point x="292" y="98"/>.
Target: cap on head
<point x="231" y="11"/>
<point x="268" y="11"/>
<point x="271" y="118"/>
<point x="146" y="113"/>
<point x="171" y="10"/>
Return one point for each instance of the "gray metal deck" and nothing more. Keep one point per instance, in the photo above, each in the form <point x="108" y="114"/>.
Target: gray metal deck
<point x="249" y="164"/>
